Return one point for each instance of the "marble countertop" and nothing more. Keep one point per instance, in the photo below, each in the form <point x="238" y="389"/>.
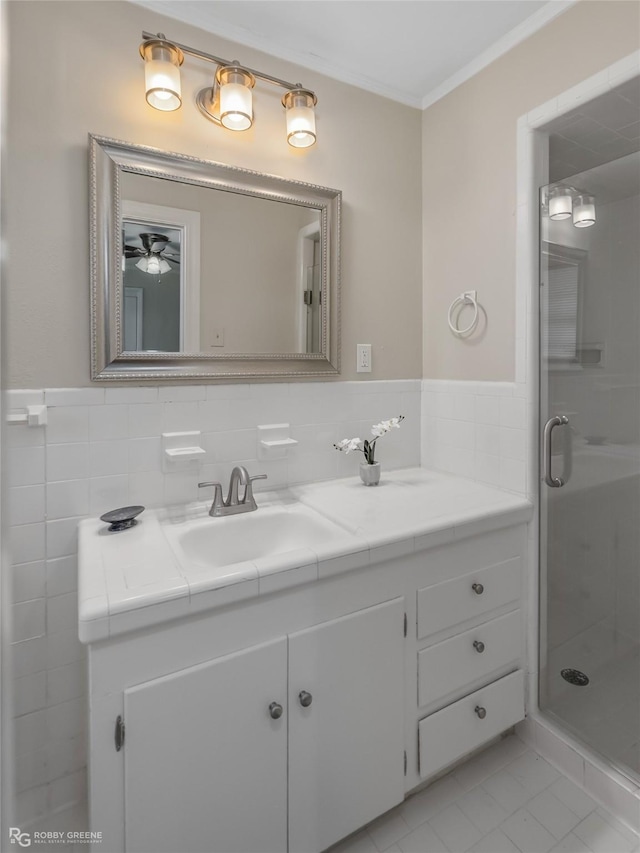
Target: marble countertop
<point x="134" y="579"/>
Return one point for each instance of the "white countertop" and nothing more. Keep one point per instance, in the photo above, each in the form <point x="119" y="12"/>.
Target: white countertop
<point x="134" y="579"/>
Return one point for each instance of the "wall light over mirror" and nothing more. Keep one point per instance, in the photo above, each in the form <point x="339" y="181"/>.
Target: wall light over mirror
<point x="228" y="102"/>
<point x="562" y="202"/>
<point x="201" y="269"/>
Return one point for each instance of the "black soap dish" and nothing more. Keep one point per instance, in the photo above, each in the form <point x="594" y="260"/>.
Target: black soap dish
<point x="122" y="518"/>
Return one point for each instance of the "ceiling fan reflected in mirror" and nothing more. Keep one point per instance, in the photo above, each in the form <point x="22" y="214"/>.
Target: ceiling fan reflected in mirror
<point x="154" y="256"/>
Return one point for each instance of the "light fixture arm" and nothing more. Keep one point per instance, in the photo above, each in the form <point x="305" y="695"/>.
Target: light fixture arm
<point x="219" y="61"/>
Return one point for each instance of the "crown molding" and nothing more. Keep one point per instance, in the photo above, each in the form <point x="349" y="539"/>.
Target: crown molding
<point x="198" y="16"/>
<point x="212" y="24"/>
<point x="528" y="27"/>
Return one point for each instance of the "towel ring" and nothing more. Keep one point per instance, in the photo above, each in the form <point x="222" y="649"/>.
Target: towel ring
<point x="469" y="297"/>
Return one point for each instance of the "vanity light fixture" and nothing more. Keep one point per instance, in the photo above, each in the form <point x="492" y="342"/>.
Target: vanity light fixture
<point x="162" y="61"/>
<point x="228" y="102"/>
<point x="584" y="211"/>
<point x="301" y="117"/>
<point x="236" y="101"/>
<point x="560" y="203"/>
<point x="564" y="202"/>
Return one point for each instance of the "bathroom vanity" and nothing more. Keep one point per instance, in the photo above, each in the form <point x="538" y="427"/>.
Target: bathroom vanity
<point x="363" y="641"/>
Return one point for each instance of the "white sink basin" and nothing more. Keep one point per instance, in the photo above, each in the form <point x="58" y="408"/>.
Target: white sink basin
<point x="213" y="543"/>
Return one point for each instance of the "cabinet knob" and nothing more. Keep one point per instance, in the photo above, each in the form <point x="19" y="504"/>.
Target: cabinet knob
<point x="477" y="588"/>
<point x="305" y="698"/>
<point x="480" y="711"/>
<point x="478" y="645"/>
<point x="275" y="710"/>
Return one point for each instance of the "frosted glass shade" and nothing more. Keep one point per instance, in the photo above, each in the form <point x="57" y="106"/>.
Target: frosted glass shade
<point x="301" y="118"/>
<point x="236" y="103"/>
<point x="560" y="203"/>
<point x="153" y="264"/>
<point x="162" y="63"/>
<point x="584" y="211"/>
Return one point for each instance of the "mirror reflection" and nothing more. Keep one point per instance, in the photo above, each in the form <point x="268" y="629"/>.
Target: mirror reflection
<point x="213" y="271"/>
<point x="151" y="277"/>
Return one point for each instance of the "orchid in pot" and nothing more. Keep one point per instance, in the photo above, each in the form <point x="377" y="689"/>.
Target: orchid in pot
<point x="369" y="469"/>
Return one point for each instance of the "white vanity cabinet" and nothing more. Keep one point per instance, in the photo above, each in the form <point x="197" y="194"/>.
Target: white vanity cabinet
<point x="346" y="748"/>
<point x="299" y="738"/>
<point x="470" y="638"/>
<point x="283" y="709"/>
<point x="197" y="738"/>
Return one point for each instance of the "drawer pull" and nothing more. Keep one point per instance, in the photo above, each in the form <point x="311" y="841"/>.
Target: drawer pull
<point x="275" y="710"/>
<point x="480" y="711"/>
<point x="478" y="645"/>
<point x="305" y="698"/>
<point x="477" y="588"/>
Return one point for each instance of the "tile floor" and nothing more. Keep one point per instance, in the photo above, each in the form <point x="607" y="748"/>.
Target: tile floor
<point x="507" y="799"/>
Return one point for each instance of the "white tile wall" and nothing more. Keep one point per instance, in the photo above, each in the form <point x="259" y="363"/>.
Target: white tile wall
<point x="477" y="430"/>
<point x="102" y="449"/>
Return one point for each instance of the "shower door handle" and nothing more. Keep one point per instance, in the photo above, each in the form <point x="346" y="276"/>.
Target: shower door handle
<point x="551" y="424"/>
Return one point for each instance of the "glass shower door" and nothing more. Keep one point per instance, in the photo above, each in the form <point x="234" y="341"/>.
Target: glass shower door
<point x="590" y="488"/>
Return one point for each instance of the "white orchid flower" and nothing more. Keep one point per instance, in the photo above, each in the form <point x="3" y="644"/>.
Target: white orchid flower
<point x="381" y="428"/>
<point x="348" y="444"/>
<point x="369" y="447"/>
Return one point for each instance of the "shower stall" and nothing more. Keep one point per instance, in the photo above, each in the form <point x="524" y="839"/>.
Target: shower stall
<point x="589" y="676"/>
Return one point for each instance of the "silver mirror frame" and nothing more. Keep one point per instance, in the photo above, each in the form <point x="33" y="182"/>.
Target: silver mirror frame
<point x="109" y="158"/>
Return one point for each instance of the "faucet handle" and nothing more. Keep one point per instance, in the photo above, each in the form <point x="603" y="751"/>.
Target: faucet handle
<point x="248" y="492"/>
<point x="218" y="500"/>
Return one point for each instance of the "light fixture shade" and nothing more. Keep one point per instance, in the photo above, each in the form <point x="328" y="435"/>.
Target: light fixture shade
<point x="162" y="61"/>
<point x="153" y="264"/>
<point x="301" y="117"/>
<point x="236" y="110"/>
<point x="560" y="203"/>
<point x="584" y="211"/>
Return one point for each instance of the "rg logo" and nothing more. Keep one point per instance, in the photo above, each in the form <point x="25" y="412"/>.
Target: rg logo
<point x="18" y="837"/>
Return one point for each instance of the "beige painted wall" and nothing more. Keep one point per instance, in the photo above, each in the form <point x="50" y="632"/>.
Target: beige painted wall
<point x="75" y="69"/>
<point x="469" y="179"/>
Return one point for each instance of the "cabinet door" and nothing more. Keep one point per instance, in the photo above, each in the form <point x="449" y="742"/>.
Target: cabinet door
<point x="205" y="763"/>
<point x="346" y="748"/>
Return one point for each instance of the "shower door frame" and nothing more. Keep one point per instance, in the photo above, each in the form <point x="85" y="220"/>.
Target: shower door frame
<point x="576" y="758"/>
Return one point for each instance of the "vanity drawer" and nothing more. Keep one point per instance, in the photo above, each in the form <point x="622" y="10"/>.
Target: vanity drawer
<point x="457" y="729"/>
<point x="450" y="665"/>
<point x="448" y="603"/>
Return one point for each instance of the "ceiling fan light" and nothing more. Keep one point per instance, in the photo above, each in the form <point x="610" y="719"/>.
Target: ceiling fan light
<point x="301" y="118"/>
<point x="153" y="265"/>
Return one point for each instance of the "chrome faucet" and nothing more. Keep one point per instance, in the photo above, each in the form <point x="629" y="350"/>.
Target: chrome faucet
<point x="233" y="504"/>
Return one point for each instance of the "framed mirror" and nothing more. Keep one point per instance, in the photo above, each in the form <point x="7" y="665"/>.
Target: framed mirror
<point x="206" y="271"/>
